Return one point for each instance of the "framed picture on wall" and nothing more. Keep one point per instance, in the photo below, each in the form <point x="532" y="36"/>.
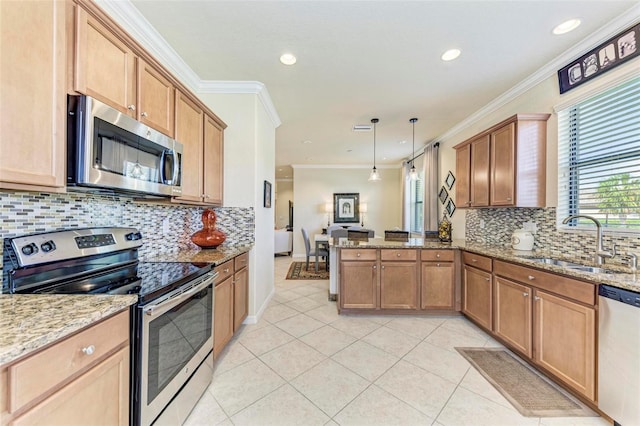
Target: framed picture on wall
<point x="267" y="194"/>
<point x="346" y="208"/>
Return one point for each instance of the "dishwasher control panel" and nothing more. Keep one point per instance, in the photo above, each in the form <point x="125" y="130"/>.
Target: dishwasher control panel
<point x="619" y="294"/>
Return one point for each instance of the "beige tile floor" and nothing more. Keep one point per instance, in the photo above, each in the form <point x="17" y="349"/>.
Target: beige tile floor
<point x="303" y="364"/>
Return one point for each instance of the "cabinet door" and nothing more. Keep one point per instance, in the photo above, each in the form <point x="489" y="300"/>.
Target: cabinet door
<point x="512" y="314"/>
<point x="223" y="315"/>
<point x="189" y="132"/>
<point x="564" y="341"/>
<point x="477" y="296"/>
<point x="437" y="285"/>
<point x="503" y="162"/>
<point x="463" y="176"/>
<point x="155" y="99"/>
<point x="32" y="99"/>
<point x="213" y="161"/>
<point x="105" y="66"/>
<point x="358" y="285"/>
<point x="98" y="397"/>
<point x="480" y="172"/>
<point x="240" y="298"/>
<point x="399" y="285"/>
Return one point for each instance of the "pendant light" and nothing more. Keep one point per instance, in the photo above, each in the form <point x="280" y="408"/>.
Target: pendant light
<point x="374" y="176"/>
<point x="413" y="173"/>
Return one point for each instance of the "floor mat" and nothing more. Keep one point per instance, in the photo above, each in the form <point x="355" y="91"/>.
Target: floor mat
<point x="297" y="271"/>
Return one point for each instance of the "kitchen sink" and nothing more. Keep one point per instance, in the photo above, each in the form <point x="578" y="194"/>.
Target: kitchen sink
<point x="571" y="265"/>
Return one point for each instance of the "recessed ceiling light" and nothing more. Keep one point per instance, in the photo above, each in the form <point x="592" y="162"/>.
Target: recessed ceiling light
<point x="566" y="26"/>
<point x="362" y="127"/>
<point x="450" y="54"/>
<point x="307" y="142"/>
<point x="288" y="59"/>
<point x="402" y="142"/>
<point x="349" y="150"/>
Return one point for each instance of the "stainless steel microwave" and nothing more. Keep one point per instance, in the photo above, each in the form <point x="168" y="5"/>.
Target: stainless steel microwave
<point x="108" y="150"/>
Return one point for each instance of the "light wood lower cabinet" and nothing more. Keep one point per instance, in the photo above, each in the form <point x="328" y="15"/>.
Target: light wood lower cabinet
<point x="564" y="341"/>
<point x="231" y="300"/>
<point x="390" y="280"/>
<point x="81" y="380"/>
<point x="512" y="314"/>
<point x="32" y="99"/>
<point x="477" y="294"/>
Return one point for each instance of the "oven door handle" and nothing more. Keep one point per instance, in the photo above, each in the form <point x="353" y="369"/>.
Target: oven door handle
<point x="172" y="300"/>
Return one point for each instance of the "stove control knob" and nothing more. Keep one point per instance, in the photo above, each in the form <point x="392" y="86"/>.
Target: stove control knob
<point x="48" y="246"/>
<point x="30" y="249"/>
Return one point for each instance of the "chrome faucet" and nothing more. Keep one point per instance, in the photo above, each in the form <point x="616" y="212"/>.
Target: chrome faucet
<point x="601" y="253"/>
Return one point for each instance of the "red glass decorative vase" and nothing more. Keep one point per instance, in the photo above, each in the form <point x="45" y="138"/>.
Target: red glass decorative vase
<point x="208" y="237"/>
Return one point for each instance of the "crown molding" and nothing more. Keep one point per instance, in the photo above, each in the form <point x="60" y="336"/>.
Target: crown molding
<point x="605" y="32"/>
<point x="130" y="18"/>
<point x="243" y="87"/>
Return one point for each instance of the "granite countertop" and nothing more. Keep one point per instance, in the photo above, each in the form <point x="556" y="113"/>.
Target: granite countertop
<point x="29" y="322"/>
<point x="215" y="256"/>
<point x="618" y="277"/>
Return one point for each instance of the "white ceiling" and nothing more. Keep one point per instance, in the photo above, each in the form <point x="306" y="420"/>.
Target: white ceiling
<point x="363" y="59"/>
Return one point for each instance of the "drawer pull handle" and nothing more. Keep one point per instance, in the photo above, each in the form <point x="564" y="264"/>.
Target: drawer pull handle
<point x="531" y="277"/>
<point x="474" y="260"/>
<point x="438" y="255"/>
<point x="358" y="254"/>
<point x="525" y="294"/>
<point x="226" y="270"/>
<point x="89" y="350"/>
<point x="398" y="254"/>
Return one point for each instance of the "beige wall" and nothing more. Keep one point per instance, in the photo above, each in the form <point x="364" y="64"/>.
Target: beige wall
<point x="284" y="188"/>
<point x="315" y="186"/>
<point x="541" y="98"/>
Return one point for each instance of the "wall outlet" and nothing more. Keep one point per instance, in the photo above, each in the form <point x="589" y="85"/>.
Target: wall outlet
<point x="530" y="226"/>
<point x="165" y="226"/>
<point x="481" y="223"/>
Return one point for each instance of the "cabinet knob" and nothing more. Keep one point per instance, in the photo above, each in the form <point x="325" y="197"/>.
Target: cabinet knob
<point x="536" y="298"/>
<point x="438" y="255"/>
<point x="531" y="277"/>
<point x="89" y="350"/>
<point x="438" y="265"/>
<point x="226" y="270"/>
<point x="358" y="254"/>
<point x="525" y="294"/>
<point x="375" y="267"/>
<point x="474" y="260"/>
<point x="487" y="279"/>
<point x="131" y="107"/>
<point x="144" y="114"/>
<point x="508" y="198"/>
<point x="398" y="254"/>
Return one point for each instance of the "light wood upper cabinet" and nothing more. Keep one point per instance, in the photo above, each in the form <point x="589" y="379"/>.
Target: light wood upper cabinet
<point x="105" y="66"/>
<point x="32" y="99"/>
<point x="155" y="99"/>
<point x="480" y="172"/>
<point x="108" y="69"/>
<point x="189" y="132"/>
<point x="505" y="165"/>
<point x="213" y="161"/>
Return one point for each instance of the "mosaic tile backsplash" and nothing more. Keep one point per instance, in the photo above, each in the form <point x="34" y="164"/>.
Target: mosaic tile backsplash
<point x="499" y="224"/>
<point x="27" y="212"/>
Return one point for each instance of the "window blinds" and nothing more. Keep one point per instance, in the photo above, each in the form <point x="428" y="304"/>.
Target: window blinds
<point x="599" y="158"/>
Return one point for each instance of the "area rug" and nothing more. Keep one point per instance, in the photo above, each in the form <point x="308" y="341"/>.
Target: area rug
<point x="528" y="391"/>
<point x="297" y="271"/>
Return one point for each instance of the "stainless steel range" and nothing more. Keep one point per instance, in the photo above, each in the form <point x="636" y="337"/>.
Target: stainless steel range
<point x="172" y="323"/>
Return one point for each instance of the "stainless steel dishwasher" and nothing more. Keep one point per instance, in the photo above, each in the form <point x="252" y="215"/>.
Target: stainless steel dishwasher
<point x="619" y="354"/>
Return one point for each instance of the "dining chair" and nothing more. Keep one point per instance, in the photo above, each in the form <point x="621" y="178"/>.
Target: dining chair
<point x="321" y="252"/>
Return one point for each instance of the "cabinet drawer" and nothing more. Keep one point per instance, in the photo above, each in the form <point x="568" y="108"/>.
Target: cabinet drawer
<point x="402" y="254"/>
<point x="224" y="270"/>
<point x="39" y="373"/>
<point x="568" y="287"/>
<point x="241" y="261"/>
<point x="358" y="254"/>
<point x="477" y="261"/>
<point x="438" y="255"/>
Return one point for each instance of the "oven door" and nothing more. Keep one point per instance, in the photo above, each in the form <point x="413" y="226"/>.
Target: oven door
<point x="177" y="335"/>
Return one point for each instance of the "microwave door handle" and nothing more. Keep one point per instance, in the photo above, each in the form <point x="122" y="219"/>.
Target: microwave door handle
<point x="163" y="160"/>
<point x="176" y="168"/>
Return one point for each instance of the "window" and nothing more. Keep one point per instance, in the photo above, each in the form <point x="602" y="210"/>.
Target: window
<point x="599" y="158"/>
<point x="417" y="203"/>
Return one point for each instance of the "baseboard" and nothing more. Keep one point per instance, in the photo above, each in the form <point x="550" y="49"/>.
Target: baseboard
<point x="253" y="319"/>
